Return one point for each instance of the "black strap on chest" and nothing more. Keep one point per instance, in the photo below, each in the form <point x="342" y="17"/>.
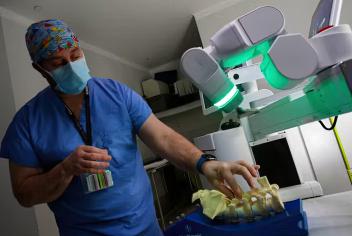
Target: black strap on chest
<point x="86" y="135"/>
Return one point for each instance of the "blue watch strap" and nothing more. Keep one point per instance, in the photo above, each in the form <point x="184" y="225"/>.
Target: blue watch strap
<point x="200" y="163"/>
<point x="203" y="158"/>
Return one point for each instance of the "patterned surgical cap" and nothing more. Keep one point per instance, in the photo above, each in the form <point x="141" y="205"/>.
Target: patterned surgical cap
<point x="46" y="37"/>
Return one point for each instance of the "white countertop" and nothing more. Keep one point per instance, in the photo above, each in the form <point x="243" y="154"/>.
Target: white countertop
<point x="330" y="215"/>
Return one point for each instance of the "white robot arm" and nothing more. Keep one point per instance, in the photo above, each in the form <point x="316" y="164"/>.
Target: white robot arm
<point x="287" y="58"/>
<point x="248" y="35"/>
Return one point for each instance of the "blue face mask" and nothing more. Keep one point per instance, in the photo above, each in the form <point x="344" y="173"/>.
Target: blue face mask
<point x="71" y="78"/>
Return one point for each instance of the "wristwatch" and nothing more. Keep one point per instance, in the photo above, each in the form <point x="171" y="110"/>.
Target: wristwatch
<point x="204" y="158"/>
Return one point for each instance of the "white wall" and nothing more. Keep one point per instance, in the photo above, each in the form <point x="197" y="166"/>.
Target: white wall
<point x="104" y="64"/>
<point x="14" y="219"/>
<point x="326" y="158"/>
<point x="26" y="82"/>
<point x="344" y="128"/>
<point x="19" y="82"/>
<point x="171" y="65"/>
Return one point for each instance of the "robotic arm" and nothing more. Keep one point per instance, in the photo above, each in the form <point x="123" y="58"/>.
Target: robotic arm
<point x="239" y="41"/>
<point x="288" y="59"/>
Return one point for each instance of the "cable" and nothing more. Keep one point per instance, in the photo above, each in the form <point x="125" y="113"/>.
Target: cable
<point x="343" y="153"/>
<point x="332" y="126"/>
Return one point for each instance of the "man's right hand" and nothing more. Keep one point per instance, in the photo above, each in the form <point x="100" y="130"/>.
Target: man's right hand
<point x="87" y="159"/>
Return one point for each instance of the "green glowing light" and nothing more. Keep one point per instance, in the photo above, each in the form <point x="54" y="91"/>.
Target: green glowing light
<point x="228" y="97"/>
<point x="268" y="68"/>
<point x="246" y="55"/>
<point x="273" y="76"/>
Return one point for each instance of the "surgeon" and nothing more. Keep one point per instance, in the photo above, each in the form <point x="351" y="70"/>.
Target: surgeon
<point x="73" y="145"/>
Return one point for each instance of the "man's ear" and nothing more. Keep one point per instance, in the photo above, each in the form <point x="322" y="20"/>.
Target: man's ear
<point x="45" y="74"/>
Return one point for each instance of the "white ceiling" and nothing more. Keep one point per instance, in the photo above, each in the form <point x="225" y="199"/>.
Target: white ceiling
<point x="145" y="32"/>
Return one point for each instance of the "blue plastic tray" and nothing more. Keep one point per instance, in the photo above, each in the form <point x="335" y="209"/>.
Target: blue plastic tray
<point x="291" y="222"/>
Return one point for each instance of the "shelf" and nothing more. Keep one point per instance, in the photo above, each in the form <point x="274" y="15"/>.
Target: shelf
<point x="156" y="164"/>
<point x="178" y="110"/>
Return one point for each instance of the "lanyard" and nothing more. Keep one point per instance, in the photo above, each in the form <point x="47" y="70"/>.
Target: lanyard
<point x="86" y="136"/>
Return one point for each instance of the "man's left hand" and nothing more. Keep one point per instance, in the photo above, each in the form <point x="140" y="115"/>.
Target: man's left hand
<point x="220" y="175"/>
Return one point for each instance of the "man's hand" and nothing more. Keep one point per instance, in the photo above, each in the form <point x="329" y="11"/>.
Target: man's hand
<point x="33" y="186"/>
<point x="220" y="175"/>
<point x="87" y="159"/>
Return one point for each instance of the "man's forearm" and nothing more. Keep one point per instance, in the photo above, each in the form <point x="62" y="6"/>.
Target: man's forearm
<point x="180" y="151"/>
<point x="168" y="144"/>
<point x="43" y="188"/>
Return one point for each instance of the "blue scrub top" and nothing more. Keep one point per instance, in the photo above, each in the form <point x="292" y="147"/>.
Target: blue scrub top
<point x="41" y="135"/>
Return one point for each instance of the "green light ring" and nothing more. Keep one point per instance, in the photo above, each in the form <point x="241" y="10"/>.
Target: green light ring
<point x="234" y="103"/>
<point x="227" y="98"/>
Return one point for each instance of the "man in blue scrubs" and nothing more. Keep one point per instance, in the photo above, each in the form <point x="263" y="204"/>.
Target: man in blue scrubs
<point x="82" y="125"/>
